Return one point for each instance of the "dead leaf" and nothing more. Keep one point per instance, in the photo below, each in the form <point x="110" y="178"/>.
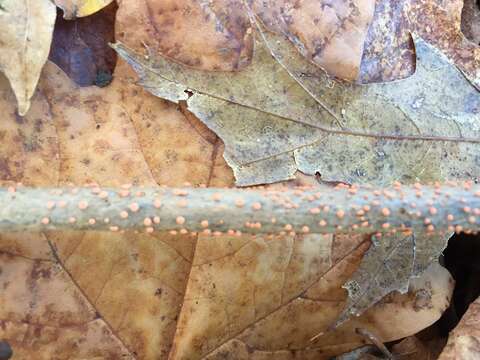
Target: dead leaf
<point x="463" y="341"/>
<point x="25" y="37"/>
<point x="211" y="35"/>
<point x="330" y="34"/>
<point x="389" y="51"/>
<point x="28" y="147"/>
<point x="136" y="283"/>
<point x="80" y="47"/>
<point x="258" y="316"/>
<point x="79" y="8"/>
<point x="272" y="126"/>
<point x="126" y="135"/>
<point x="45" y="315"/>
<point x="421" y="126"/>
<point x="389" y="265"/>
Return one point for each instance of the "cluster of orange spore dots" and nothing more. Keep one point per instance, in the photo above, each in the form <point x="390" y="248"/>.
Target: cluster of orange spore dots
<point x="341" y="208"/>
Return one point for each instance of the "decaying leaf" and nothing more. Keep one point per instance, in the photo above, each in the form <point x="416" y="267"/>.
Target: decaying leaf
<point x="388" y="266"/>
<point x="29" y="149"/>
<point x="389" y="51"/>
<point x="80" y="47"/>
<point x="262" y="316"/>
<point x="329" y="33"/>
<point x="210" y="35"/>
<point x="134" y="282"/>
<point x="79" y="8"/>
<point x="464" y="340"/>
<point x="271" y="126"/>
<point x="45" y="315"/>
<point x="25" y="37"/>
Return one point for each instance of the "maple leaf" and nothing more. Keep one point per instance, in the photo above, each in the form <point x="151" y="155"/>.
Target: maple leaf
<point x="141" y="284"/>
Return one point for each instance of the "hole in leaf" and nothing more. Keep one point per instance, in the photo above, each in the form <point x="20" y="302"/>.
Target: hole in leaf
<point x="80" y="46"/>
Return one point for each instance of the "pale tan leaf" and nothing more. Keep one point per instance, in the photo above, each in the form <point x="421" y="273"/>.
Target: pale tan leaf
<point x="27" y="28"/>
<point x="244" y="302"/>
<point x="389" y="52"/>
<point x="273" y="123"/>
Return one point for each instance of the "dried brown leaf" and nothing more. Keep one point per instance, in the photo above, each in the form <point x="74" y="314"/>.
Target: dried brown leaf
<point x="211" y="35"/>
<point x="329" y="33"/>
<point x="136" y="283"/>
<point x="45" y="315"/>
<point x="464" y="340"/>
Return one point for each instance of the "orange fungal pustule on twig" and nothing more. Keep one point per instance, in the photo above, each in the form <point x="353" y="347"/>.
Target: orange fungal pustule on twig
<point x="215" y="211"/>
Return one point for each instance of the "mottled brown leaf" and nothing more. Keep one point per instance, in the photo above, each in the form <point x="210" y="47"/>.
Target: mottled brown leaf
<point x="274" y="122"/>
<point x="44" y="315"/>
<point x="28" y="146"/>
<point x="211" y="35"/>
<point x="389" y="51"/>
<point x="111" y="135"/>
<point x="329" y="33"/>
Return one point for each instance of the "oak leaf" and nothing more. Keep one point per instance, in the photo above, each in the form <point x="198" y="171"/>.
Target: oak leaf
<point x="331" y="34"/>
<point x="275" y="119"/>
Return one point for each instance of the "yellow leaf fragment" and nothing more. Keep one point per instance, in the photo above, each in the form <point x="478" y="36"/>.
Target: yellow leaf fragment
<point x="80" y="8"/>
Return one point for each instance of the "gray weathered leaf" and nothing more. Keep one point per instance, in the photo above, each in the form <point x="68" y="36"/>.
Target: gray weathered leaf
<point x="387" y="266"/>
<point x="423" y="128"/>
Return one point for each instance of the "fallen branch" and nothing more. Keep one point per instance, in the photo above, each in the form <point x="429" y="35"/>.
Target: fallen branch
<point x="236" y="211"/>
